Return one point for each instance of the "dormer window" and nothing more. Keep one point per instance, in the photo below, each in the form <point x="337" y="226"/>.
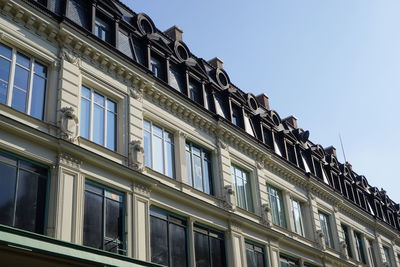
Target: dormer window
<point x="176" y="78"/>
<point x="102" y="30"/>
<point x="291" y="152"/>
<point x="195" y="92"/>
<point x="157" y="67"/>
<point x="237" y="116"/>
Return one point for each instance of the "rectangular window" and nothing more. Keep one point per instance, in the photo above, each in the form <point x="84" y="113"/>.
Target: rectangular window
<point x="102" y="30"/>
<point x="371" y="254"/>
<point x="360" y="247"/>
<point x="255" y="255"/>
<point x="159" y="149"/>
<point x="103" y="225"/>
<point x="387" y="256"/>
<point x="22" y="82"/>
<point x="277" y="207"/>
<point x="237" y="116"/>
<point x="177" y="78"/>
<point x="297" y="217"/>
<point x="242" y="185"/>
<point x="209" y="247"/>
<point x="198" y="165"/>
<point x="326" y="229"/>
<point x="98" y="121"/>
<point x="288" y="261"/>
<point x="157" y="67"/>
<point x="23" y="190"/>
<point x="168" y="238"/>
<point x="347" y="240"/>
<point x="196" y="92"/>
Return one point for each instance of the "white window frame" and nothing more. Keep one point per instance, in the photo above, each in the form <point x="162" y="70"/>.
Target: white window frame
<point x="301" y="230"/>
<point x="281" y="214"/>
<point x="249" y="201"/>
<point x="328" y="229"/>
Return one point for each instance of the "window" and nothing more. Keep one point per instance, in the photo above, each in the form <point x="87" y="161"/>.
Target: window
<point x="326" y="229"/>
<point x="23" y="192"/>
<point x="157" y="68"/>
<point x="103" y="225"/>
<point x="237" y="116"/>
<point x="297" y="217"/>
<point x="287" y="261"/>
<point x="277" y="207"/>
<point x="196" y="92"/>
<point x="22" y="82"/>
<point x="242" y="185"/>
<point x="168" y="239"/>
<point x="102" y="30"/>
<point x="77" y="11"/>
<point x="98" y="121"/>
<point x="387" y="256"/>
<point x="177" y="79"/>
<point x="371" y="254"/>
<point x="198" y="165"/>
<point x="347" y="240"/>
<point x="360" y="247"/>
<point x="255" y="255"/>
<point x="209" y="247"/>
<point x="159" y="149"/>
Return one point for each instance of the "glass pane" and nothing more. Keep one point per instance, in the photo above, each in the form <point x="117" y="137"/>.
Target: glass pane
<point x="207" y="176"/>
<point x="19" y="100"/>
<point x="99" y="99"/>
<point x="249" y="199"/>
<point x="30" y="206"/>
<point x="86" y="92"/>
<point x="40" y="70"/>
<point x="217" y="252"/>
<point x="111" y="106"/>
<point x="240" y="193"/>
<point x="169" y="158"/>
<point x="146" y="125"/>
<point x="251" y="259"/>
<point x="111" y="130"/>
<point x="177" y="235"/>
<point x="147" y="149"/>
<point x="157" y="131"/>
<point x="85" y="119"/>
<point x="189" y="168"/>
<point x="98" y="125"/>
<point x="21" y="78"/>
<point x="93" y="221"/>
<point x="113" y="219"/>
<point x="38" y="95"/>
<point x="23" y="60"/>
<point x="197" y="173"/>
<point x="5" y="51"/>
<point x="4" y="69"/>
<point x="260" y="259"/>
<point x="33" y="167"/>
<point x="202" y="249"/>
<point x="158" y="241"/>
<point x="158" y="161"/>
<point x="7" y="189"/>
<point x="3" y="92"/>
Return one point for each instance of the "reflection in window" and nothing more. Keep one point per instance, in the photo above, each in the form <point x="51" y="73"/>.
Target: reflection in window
<point x="209" y="247"/>
<point x="198" y="165"/>
<point x="159" y="149"/>
<point x="347" y="240"/>
<point x="255" y="255"/>
<point x="102" y="30"/>
<point x="326" y="229"/>
<point x="297" y="217"/>
<point x="98" y="121"/>
<point x="242" y="185"/>
<point x="195" y="92"/>
<point x="26" y="89"/>
<point x="237" y="116"/>
<point x="387" y="256"/>
<point x="360" y="247"/>
<point x="176" y="78"/>
<point x="277" y="207"/>
<point x="157" y="68"/>
<point x="287" y="261"/>
<point x="371" y="253"/>
<point x="103" y="225"/>
<point x="22" y="194"/>
<point x="168" y="239"/>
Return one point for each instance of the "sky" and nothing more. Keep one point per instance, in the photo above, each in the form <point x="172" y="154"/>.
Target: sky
<point x="334" y="64"/>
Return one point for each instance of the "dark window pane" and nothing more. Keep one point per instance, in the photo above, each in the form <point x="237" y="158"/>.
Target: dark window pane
<point x="159" y="241"/>
<point x="5" y="51"/>
<point x="40" y="70"/>
<point x="31" y="196"/>
<point x="111" y="130"/>
<point x="23" y="60"/>
<point x="7" y="189"/>
<point x="114" y="219"/>
<point x="93" y="221"/>
<point x="139" y="53"/>
<point x="124" y="44"/>
<point x="202" y="248"/>
<point x="38" y="94"/>
<point x="3" y="92"/>
<point x="78" y="13"/>
<point x="4" y="69"/>
<point x="178" y="245"/>
<point x="251" y="259"/>
<point x="260" y="260"/>
<point x="217" y="252"/>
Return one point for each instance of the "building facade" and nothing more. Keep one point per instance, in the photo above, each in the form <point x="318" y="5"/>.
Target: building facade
<point x="119" y="147"/>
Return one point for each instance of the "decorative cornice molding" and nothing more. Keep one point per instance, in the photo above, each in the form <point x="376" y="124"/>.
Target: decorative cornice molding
<point x="141" y="189"/>
<point x="68" y="161"/>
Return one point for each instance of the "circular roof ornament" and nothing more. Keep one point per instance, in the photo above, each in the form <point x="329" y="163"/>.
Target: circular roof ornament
<point x="275" y="118"/>
<point x="145" y="24"/>
<point x="252" y="102"/>
<point x="181" y="51"/>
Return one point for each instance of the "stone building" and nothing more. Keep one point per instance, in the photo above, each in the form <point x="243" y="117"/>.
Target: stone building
<point x="119" y="147"/>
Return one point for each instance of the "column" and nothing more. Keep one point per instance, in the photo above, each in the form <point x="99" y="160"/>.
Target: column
<point x="236" y="248"/>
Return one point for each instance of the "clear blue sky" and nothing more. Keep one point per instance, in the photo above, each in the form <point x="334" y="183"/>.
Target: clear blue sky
<point x="334" y="64"/>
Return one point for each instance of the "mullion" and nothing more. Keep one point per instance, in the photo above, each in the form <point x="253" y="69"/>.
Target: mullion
<point x="15" y="193"/>
<point x="29" y="89"/>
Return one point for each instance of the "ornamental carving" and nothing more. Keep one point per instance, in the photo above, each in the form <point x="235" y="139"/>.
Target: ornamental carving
<point x="229" y="197"/>
<point x="343" y="250"/>
<point x="136" y="155"/>
<point x="136" y="92"/>
<point x="141" y="189"/>
<point x="265" y="210"/>
<point x="68" y="160"/>
<point x="69" y="57"/>
<point x="321" y="239"/>
<point x="68" y="124"/>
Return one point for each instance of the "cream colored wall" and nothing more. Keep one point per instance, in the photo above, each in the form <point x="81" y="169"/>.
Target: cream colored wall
<point x="75" y="61"/>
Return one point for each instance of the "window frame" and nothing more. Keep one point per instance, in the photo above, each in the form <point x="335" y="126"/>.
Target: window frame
<point x="281" y="214"/>
<point x="249" y="203"/>
<point x="30" y="82"/>
<point x="105" y="121"/>
<point x="122" y="194"/>
<point x="301" y="232"/>
<point x="359" y="246"/>
<point x="254" y="245"/>
<point x="210" y="233"/>
<point x="329" y="242"/>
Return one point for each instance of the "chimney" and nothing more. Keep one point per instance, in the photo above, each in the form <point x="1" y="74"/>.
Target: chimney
<point x="175" y="33"/>
<point x="330" y="150"/>
<point x="216" y="63"/>
<point x="263" y="100"/>
<point x="292" y="120"/>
